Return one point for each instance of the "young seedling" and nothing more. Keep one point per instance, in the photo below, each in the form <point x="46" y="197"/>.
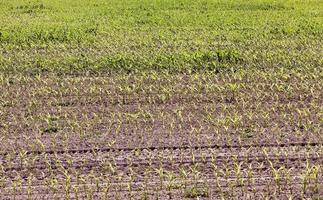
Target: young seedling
<point x="277" y="175"/>
<point x="170" y="183"/>
<point x="67" y="186"/>
<point x="76" y="191"/>
<point x="161" y="176"/>
<point x="29" y="186"/>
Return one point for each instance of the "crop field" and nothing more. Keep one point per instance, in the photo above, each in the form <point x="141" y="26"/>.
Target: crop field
<point x="161" y="99"/>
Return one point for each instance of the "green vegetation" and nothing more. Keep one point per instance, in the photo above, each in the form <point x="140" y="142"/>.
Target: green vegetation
<point x="175" y="36"/>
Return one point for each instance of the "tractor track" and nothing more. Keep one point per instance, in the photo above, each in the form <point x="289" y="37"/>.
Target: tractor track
<point x="162" y="148"/>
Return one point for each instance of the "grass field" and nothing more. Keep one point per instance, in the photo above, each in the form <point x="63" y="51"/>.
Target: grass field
<point x="161" y="99"/>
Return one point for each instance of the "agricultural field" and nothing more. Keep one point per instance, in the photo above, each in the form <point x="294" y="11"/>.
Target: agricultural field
<point x="161" y="99"/>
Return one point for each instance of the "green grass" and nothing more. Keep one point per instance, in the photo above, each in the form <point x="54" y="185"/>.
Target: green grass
<point x="167" y="35"/>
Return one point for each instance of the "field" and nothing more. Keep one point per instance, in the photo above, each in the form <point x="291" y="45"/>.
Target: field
<point x="161" y="99"/>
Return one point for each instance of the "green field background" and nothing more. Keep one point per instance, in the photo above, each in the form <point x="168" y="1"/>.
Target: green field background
<point x="174" y="36"/>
